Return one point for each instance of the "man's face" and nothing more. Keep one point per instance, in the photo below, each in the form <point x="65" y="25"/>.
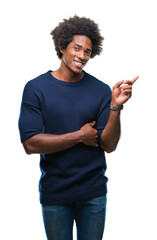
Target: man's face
<point x="77" y="53"/>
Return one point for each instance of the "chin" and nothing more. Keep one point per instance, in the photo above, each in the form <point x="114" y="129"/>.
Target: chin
<point x="79" y="71"/>
<point x="76" y="71"/>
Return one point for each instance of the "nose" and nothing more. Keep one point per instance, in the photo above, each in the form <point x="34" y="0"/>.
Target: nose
<point x="81" y="55"/>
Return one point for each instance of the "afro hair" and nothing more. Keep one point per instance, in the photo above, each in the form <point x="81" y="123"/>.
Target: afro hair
<point x="63" y="34"/>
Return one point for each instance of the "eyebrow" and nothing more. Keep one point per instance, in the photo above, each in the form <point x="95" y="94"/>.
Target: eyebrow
<point x="90" y="50"/>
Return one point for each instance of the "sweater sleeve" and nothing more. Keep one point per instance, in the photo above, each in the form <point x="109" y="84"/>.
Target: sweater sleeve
<point x="30" y="120"/>
<point x="104" y="112"/>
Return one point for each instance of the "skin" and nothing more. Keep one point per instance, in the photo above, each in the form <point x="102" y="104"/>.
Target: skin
<point x="74" y="58"/>
<point x="77" y="52"/>
<point x="121" y="93"/>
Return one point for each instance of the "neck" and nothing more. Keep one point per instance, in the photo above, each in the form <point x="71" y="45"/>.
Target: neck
<point x="66" y="75"/>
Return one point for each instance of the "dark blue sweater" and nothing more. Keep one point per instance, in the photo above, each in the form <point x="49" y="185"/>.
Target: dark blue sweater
<point x="57" y="107"/>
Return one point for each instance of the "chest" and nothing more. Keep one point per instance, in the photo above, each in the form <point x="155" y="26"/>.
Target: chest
<point x="69" y="108"/>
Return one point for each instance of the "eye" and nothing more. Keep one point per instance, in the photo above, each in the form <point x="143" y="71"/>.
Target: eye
<point x="88" y="53"/>
<point x="76" y="48"/>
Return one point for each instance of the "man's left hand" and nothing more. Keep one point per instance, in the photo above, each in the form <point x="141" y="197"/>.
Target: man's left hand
<point x="122" y="92"/>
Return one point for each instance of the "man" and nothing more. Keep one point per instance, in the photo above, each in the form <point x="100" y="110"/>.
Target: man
<point x="70" y="118"/>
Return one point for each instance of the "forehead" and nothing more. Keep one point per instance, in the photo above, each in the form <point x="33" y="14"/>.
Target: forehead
<point x="82" y="40"/>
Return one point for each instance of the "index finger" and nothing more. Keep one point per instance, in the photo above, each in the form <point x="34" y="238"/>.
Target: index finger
<point x="134" y="79"/>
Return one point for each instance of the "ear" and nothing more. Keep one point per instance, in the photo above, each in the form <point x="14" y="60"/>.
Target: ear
<point x="62" y="51"/>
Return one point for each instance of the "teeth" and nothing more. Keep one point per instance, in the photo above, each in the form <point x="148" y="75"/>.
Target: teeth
<point x="79" y="64"/>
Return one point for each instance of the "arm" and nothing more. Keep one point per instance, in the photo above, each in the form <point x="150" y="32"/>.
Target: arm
<point x="121" y="93"/>
<point x="111" y="133"/>
<point x="31" y="127"/>
<point x="49" y="143"/>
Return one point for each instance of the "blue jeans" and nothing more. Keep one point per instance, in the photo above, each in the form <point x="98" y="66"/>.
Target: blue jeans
<point x="89" y="217"/>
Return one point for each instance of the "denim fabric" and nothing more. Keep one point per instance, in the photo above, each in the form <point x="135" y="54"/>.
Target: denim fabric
<point x="89" y="217"/>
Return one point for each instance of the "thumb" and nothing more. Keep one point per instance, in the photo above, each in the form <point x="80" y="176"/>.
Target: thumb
<point x="92" y="123"/>
<point x="118" y="84"/>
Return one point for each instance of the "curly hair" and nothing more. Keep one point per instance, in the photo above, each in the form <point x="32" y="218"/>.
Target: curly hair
<point x="64" y="32"/>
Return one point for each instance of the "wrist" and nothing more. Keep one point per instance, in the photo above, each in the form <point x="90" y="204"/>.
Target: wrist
<point x="114" y="103"/>
<point x="112" y="107"/>
<point x="115" y="107"/>
<point x="79" y="136"/>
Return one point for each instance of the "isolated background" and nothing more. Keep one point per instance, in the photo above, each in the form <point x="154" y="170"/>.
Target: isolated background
<point x="130" y="48"/>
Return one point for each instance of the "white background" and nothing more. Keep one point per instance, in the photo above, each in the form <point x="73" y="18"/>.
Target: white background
<point x="130" y="48"/>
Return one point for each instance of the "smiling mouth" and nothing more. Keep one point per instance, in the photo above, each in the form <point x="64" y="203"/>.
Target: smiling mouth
<point x="79" y="64"/>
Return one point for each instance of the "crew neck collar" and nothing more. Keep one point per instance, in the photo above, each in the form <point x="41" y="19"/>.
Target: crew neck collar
<point x="67" y="83"/>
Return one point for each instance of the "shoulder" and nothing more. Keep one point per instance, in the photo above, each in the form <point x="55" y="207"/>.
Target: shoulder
<point x="98" y="84"/>
<point x="36" y="82"/>
<point x="33" y="88"/>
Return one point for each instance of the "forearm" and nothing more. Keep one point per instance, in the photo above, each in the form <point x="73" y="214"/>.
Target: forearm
<point x="121" y="93"/>
<point x="48" y="143"/>
<point x="111" y="133"/>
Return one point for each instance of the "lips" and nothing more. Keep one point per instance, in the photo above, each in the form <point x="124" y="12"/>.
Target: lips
<point x="79" y="64"/>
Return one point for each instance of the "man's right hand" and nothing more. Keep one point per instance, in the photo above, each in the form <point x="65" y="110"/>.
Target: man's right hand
<point x="89" y="135"/>
<point x="49" y="143"/>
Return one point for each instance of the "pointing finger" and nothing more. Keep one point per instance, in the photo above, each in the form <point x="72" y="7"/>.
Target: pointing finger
<point x="134" y="79"/>
<point x="131" y="82"/>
